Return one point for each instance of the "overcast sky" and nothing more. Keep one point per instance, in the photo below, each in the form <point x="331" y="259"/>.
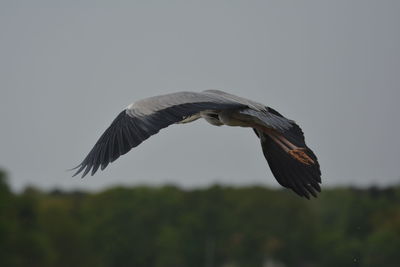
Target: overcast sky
<point x="66" y="70"/>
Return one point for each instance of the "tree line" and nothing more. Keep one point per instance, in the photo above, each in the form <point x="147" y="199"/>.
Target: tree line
<point x="217" y="226"/>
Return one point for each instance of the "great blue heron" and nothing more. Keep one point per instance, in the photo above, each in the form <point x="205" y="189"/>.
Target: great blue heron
<point x="293" y="164"/>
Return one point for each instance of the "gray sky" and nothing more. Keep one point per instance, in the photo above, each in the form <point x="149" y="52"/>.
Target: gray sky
<point x="68" y="69"/>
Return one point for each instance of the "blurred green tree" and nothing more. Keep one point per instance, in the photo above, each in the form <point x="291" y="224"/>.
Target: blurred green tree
<point x="218" y="226"/>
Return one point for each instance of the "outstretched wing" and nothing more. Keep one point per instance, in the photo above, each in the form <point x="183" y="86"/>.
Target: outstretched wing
<point x="303" y="179"/>
<point x="145" y="118"/>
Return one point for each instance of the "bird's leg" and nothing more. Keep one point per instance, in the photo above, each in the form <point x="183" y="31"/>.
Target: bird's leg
<point x="298" y="153"/>
<point x="285" y="141"/>
<point x="294" y="151"/>
<point x="279" y="142"/>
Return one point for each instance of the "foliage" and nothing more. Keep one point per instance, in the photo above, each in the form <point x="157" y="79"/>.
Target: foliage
<point x="218" y="226"/>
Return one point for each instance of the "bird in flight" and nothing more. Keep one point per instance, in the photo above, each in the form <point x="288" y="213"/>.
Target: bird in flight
<point x="293" y="164"/>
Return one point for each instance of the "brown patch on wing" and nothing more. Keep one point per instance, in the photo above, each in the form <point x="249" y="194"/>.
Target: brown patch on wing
<point x="301" y="156"/>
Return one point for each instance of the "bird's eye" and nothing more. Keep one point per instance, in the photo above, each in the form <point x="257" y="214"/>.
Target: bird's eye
<point x="214" y="115"/>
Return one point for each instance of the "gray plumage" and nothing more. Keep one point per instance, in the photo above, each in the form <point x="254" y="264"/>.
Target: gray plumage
<point x="293" y="164"/>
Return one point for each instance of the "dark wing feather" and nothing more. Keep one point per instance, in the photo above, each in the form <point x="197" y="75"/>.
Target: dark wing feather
<point x="129" y="130"/>
<point x="301" y="178"/>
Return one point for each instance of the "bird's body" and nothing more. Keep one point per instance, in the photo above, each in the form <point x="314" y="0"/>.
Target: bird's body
<point x="293" y="164"/>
